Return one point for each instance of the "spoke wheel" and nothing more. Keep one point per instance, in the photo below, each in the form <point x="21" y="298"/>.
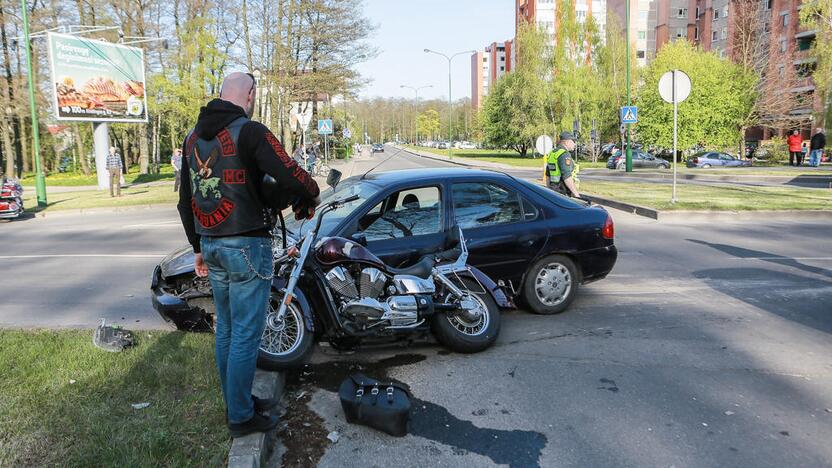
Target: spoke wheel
<point x="281" y="337"/>
<point x="473" y="326"/>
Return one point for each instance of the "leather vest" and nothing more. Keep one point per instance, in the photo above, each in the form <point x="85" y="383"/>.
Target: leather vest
<point x="224" y="201"/>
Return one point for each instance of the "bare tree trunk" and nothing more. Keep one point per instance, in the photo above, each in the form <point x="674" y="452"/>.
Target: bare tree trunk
<point x="82" y="154"/>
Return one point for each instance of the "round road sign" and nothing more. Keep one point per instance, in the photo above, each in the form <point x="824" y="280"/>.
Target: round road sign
<point x="544" y="144"/>
<point x="674" y="79"/>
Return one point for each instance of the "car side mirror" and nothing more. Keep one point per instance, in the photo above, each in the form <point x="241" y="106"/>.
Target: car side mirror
<point x="333" y="178"/>
<point x="360" y="238"/>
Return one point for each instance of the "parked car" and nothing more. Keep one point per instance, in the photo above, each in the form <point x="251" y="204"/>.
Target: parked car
<point x="467" y="145"/>
<point x="11" y="198"/>
<point x="705" y="159"/>
<point x="378" y="148"/>
<point x="538" y="244"/>
<point x="443" y="145"/>
<point x="640" y="159"/>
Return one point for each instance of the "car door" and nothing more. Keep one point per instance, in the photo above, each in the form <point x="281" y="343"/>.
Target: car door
<point x="504" y="230"/>
<point x="405" y="225"/>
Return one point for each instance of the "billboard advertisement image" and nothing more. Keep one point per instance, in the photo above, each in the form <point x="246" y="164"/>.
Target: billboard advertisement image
<point x="96" y="80"/>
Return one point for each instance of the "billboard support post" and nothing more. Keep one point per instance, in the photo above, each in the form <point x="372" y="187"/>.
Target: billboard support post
<point x="101" y="145"/>
<point x="40" y="180"/>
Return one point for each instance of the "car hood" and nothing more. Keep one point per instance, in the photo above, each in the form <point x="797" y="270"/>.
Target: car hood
<point x="178" y="262"/>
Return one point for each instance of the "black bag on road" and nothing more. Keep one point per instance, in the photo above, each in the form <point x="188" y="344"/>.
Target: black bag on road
<point x="381" y="405"/>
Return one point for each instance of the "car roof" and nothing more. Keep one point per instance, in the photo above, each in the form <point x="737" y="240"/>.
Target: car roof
<point x="431" y="174"/>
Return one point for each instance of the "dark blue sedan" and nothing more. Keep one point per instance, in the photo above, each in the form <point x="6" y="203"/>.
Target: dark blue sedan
<point x="537" y="243"/>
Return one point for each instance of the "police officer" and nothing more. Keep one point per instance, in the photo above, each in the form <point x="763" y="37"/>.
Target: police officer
<point x="561" y="170"/>
<point x="224" y="159"/>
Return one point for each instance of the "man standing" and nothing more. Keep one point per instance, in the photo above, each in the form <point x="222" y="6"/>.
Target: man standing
<point x="114" y="167"/>
<point x="817" y="144"/>
<point x="225" y="158"/>
<point x="560" y="170"/>
<point x="176" y="162"/>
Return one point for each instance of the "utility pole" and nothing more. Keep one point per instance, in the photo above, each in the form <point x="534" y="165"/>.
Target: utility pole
<point x="628" y="152"/>
<point x="40" y="180"/>
<point x="450" y="105"/>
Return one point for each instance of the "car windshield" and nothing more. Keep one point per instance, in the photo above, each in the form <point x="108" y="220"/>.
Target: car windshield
<point x="355" y="186"/>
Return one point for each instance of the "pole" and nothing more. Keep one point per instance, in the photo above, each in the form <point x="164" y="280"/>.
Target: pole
<point x="101" y="147"/>
<point x="416" y="113"/>
<point x="629" y="152"/>
<point x="675" y="116"/>
<point x="450" y="114"/>
<point x="346" y="126"/>
<point x="40" y="180"/>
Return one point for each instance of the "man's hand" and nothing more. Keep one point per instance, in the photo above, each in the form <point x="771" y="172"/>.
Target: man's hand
<point x="306" y="209"/>
<point x="200" y="267"/>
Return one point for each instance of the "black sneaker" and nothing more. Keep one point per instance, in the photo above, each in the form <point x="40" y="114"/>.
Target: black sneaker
<point x="261" y="405"/>
<point x="257" y="423"/>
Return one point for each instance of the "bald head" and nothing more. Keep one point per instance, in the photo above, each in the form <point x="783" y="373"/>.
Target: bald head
<point x="238" y="88"/>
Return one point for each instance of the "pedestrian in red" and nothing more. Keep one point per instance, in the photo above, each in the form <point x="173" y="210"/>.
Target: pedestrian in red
<point x="795" y="142"/>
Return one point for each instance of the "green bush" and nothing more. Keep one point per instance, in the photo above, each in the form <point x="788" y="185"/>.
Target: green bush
<point x="773" y="150"/>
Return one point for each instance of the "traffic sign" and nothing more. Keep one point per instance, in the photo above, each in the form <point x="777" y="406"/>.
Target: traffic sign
<point x="325" y="126"/>
<point x="544" y="144"/>
<point x="629" y="114"/>
<point x="674" y="86"/>
<point x="347" y="133"/>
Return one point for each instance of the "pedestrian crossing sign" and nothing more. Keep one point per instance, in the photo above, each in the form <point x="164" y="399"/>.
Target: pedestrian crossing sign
<point x="325" y="127"/>
<point x="629" y="114"/>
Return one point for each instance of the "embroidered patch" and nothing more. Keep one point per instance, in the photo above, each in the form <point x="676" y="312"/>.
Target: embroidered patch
<point x="226" y="142"/>
<point x="214" y="218"/>
<point x="568" y="162"/>
<point x="234" y="176"/>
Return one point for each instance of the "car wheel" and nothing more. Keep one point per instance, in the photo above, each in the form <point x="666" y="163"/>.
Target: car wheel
<point x="285" y="344"/>
<point x="551" y="285"/>
<point x="705" y="166"/>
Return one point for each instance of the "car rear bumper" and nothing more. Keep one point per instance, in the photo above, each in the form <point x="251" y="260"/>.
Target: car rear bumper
<point x="175" y="310"/>
<point x="596" y="264"/>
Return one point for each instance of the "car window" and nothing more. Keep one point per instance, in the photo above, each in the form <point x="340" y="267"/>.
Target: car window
<point x="726" y="157"/>
<point x="530" y="212"/>
<point x="407" y="213"/>
<point x="483" y="204"/>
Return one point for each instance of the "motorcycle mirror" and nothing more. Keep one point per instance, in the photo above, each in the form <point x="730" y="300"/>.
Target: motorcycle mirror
<point x="333" y="178"/>
<point x="360" y="238"/>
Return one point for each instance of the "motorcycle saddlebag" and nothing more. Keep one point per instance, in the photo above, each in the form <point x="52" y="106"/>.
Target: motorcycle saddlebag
<point x="380" y="405"/>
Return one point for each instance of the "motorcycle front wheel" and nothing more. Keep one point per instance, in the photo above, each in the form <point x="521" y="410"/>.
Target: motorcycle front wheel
<point x="285" y="344"/>
<point x="465" y="334"/>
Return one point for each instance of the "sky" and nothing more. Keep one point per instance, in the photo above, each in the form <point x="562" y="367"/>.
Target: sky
<point x="406" y="27"/>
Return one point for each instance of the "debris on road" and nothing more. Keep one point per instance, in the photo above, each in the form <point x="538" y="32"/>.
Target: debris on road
<point x="729" y="413"/>
<point x="333" y="437"/>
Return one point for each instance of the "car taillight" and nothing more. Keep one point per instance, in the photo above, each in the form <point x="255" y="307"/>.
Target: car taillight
<point x="696" y="160"/>
<point x="608" y="232"/>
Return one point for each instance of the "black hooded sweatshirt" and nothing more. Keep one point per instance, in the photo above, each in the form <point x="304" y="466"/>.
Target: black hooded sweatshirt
<point x="259" y="150"/>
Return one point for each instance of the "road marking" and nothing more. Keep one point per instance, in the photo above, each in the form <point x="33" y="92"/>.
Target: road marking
<point x="784" y="258"/>
<point x="157" y="255"/>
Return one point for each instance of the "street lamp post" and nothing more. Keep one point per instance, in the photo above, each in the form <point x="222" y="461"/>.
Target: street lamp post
<point x="450" y="106"/>
<point x="40" y="180"/>
<point x="629" y="153"/>
<point x="416" y="108"/>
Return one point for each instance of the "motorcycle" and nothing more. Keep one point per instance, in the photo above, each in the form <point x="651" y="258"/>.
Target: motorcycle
<point x="11" y="198"/>
<point x="335" y="289"/>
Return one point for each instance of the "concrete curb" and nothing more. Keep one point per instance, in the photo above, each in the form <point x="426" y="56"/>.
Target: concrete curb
<point x="628" y="207"/>
<point x="252" y="451"/>
<point x="673" y="216"/>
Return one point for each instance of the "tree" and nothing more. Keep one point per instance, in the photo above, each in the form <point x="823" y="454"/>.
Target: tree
<point x="817" y="15"/>
<point x="513" y="112"/>
<point x="428" y="123"/>
<point x="721" y="97"/>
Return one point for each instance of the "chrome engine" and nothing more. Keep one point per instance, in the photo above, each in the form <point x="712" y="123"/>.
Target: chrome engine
<point x="362" y="301"/>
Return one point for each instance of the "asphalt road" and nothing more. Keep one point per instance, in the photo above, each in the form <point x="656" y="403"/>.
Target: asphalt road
<point x="708" y="345"/>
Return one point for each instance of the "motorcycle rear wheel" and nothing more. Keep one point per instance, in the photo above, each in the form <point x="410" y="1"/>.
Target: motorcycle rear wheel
<point x="465" y="336"/>
<point x="287" y="344"/>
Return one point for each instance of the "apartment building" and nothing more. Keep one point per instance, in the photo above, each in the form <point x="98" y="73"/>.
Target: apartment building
<point x="488" y="66"/>
<point x="643" y="25"/>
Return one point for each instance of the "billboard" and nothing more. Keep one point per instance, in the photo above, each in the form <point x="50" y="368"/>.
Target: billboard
<point x="96" y="80"/>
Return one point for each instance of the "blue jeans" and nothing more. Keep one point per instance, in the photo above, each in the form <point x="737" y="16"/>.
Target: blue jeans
<point x="814" y="157"/>
<point x="240" y="271"/>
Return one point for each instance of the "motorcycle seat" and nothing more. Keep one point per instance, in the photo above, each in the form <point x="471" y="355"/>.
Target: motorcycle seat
<point x="421" y="269"/>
